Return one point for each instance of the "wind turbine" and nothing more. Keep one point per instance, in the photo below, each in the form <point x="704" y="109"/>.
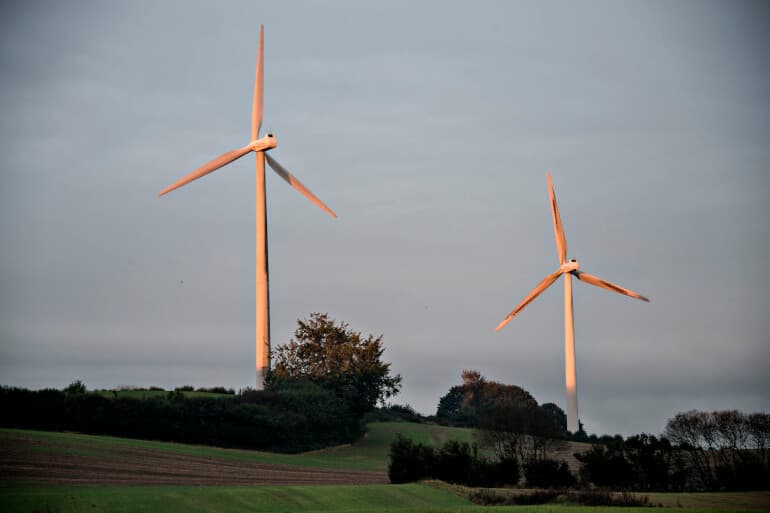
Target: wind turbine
<point x="568" y="269"/>
<point x="260" y="146"/>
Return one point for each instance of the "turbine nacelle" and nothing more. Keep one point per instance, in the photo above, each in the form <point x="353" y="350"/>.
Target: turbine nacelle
<point x="568" y="267"/>
<point x="267" y="142"/>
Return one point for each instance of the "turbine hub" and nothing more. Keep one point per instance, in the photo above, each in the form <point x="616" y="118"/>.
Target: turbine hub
<point x="568" y="267"/>
<point x="264" y="143"/>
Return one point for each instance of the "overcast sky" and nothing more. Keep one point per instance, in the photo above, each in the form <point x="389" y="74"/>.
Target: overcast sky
<point x="429" y="128"/>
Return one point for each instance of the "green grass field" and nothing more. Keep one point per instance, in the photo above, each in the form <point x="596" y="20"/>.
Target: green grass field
<point x="369" y="453"/>
<point x="416" y="498"/>
<point x="170" y="499"/>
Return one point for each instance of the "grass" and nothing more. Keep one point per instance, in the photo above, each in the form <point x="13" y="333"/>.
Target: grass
<point x="706" y="501"/>
<point x="414" y="498"/>
<point x="756" y="500"/>
<point x="170" y="499"/>
<point x="372" y="452"/>
<point x="369" y="453"/>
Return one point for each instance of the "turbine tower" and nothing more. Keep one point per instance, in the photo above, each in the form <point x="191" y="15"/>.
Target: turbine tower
<point x="260" y="146"/>
<point x="568" y="269"/>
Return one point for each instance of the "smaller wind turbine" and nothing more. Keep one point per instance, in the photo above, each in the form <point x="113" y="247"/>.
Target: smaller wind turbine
<point x="568" y="269"/>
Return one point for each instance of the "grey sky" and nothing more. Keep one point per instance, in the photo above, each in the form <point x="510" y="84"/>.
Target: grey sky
<point x="428" y="127"/>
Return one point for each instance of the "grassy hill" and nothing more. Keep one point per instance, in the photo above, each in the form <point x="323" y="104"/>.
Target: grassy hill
<point x="372" y="451"/>
<point x="369" y="456"/>
<point x="369" y="453"/>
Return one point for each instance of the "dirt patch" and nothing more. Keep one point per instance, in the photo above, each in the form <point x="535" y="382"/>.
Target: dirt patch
<point x="28" y="459"/>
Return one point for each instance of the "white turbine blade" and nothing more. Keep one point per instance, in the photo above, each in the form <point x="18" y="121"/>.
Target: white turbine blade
<point x="291" y="180"/>
<point x="208" y="168"/>
<point x="547" y="281"/>
<point x="256" y="112"/>
<point x="558" y="228"/>
<point x="598" y="282"/>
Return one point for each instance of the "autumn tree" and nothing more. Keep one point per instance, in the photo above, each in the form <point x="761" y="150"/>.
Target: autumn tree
<point x="466" y="404"/>
<point x="334" y="356"/>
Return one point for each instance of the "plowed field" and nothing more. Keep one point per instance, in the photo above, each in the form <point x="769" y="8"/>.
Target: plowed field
<point x="29" y="458"/>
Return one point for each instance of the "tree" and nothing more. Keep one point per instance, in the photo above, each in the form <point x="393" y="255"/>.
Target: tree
<point x="605" y="466"/>
<point x="690" y="431"/>
<point x="76" y="387"/>
<point x="724" y="449"/>
<point x="557" y="416"/>
<point x="521" y="432"/>
<point x="467" y="404"/>
<point x="334" y="356"/>
<point x="450" y="406"/>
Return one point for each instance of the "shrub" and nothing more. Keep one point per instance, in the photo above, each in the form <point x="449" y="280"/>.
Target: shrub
<point x="454" y="462"/>
<point x="286" y="419"/>
<point x="548" y="473"/>
<point x="394" y="413"/>
<point x="494" y="473"/>
<point x="409" y="461"/>
<point x="76" y="387"/>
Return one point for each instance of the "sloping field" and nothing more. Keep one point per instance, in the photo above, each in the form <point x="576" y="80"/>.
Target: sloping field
<point x="369" y="453"/>
<point x="372" y="451"/>
<point x="78" y="458"/>
<point x="67" y="472"/>
<point x="72" y="458"/>
<point x="63" y="458"/>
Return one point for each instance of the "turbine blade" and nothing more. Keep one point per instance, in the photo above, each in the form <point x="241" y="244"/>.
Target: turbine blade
<point x="558" y="228"/>
<point x="292" y="180"/>
<point x="256" y="113"/>
<point x="208" y="168"/>
<point x="598" y="282"/>
<point x="547" y="281"/>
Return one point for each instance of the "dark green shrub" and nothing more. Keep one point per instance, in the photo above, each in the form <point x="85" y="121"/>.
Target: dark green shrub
<point x="548" y="473"/>
<point x="454" y="462"/>
<point x="410" y="461"/>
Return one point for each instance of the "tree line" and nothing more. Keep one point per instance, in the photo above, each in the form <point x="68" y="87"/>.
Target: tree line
<point x="720" y="450"/>
<point x="724" y="450"/>
<point x="323" y="383"/>
<point x="288" y="418"/>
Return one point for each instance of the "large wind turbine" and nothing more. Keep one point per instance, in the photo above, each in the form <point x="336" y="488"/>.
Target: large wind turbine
<point x="260" y="146"/>
<point x="568" y="269"/>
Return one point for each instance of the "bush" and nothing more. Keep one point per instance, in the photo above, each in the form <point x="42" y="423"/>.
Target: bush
<point x="593" y="498"/>
<point x="76" y="387"/>
<point x="216" y="390"/>
<point x="410" y="461"/>
<point x="606" y="466"/>
<point x="454" y="462"/>
<point x="394" y="413"/>
<point x="533" y="498"/>
<point x="548" y="473"/>
<point x="605" y="498"/>
<point x="494" y="473"/>
<point x="297" y="417"/>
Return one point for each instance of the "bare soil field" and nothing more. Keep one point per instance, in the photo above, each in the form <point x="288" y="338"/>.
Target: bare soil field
<point x="25" y="458"/>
